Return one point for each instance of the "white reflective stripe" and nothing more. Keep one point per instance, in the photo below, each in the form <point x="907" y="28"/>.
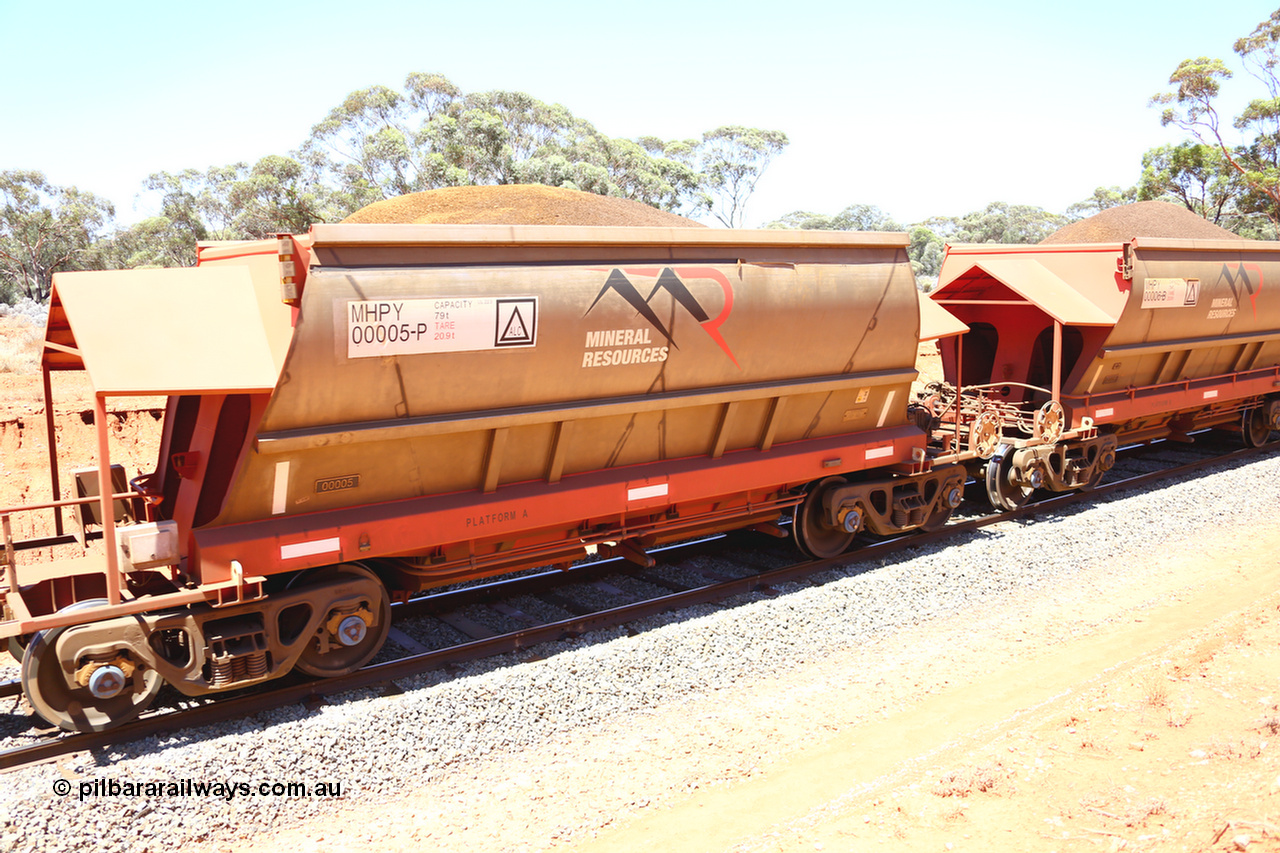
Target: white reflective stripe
<point x="884" y="413"/>
<point x="1104" y="413"/>
<point x="1209" y="395"/>
<point x="280" y="494"/>
<point x="308" y="549"/>
<point x="643" y="492"/>
<point x="879" y="452"/>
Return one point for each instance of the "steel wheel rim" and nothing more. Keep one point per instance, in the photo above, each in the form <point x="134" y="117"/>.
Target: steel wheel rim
<point x="1001" y="493"/>
<point x="1255" y="427"/>
<point x="17" y="649"/>
<point x="808" y="531"/>
<point x="940" y="516"/>
<point x="346" y="659"/>
<point x="74" y="708"/>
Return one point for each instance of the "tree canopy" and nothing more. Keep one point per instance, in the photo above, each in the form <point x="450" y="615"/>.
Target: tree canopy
<point x="998" y="222"/>
<point x="1252" y="153"/>
<point x="732" y="159"/>
<point x="45" y="229"/>
<point x="380" y="143"/>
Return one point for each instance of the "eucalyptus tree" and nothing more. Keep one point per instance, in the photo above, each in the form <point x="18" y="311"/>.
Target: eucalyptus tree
<point x="382" y="142"/>
<point x="924" y="250"/>
<point x="855" y="217"/>
<point x="998" y="222"/>
<point x="1193" y="175"/>
<point x="1251" y="147"/>
<point x="45" y="229"/>
<point x="239" y="201"/>
<point x="1102" y="199"/>
<point x="732" y="159"/>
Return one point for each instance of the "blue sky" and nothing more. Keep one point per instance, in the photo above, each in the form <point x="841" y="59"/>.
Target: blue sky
<point x="924" y="108"/>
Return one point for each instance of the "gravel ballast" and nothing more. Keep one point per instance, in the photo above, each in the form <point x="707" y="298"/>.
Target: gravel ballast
<point x="373" y="745"/>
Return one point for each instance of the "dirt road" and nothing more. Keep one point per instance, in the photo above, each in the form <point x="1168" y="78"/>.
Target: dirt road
<point x="1156" y="730"/>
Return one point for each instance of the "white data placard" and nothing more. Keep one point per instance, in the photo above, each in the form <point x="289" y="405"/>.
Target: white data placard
<point x="383" y="327"/>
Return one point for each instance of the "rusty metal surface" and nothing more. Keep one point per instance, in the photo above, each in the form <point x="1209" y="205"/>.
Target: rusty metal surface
<point x="543" y="371"/>
<point x="261" y="259"/>
<point x="1079" y="282"/>
<point x="1178" y="323"/>
<point x="334" y="242"/>
<point x="599" y="506"/>
<point x="1198" y="308"/>
<point x="666" y="359"/>
<point x="233" y="707"/>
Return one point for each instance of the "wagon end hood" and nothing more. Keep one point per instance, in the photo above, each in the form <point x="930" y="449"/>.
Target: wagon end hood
<point x="937" y="322"/>
<point x="199" y="330"/>
<point x="1076" y="294"/>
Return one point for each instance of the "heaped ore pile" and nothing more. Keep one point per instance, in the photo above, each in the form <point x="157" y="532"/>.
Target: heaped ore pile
<point x="515" y="204"/>
<point x="1143" y="219"/>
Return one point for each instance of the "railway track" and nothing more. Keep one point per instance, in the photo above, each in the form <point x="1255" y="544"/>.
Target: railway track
<point x="469" y="613"/>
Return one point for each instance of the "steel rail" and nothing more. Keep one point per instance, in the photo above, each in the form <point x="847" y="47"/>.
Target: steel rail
<point x="291" y="691"/>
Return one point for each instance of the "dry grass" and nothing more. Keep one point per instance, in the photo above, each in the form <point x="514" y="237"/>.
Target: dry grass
<point x="1155" y="690"/>
<point x="1232" y="749"/>
<point x="19" y="346"/>
<point x="1134" y="815"/>
<point x="1270" y="723"/>
<point x="969" y="780"/>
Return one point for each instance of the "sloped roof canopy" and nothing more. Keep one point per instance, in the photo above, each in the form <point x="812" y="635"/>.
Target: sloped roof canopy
<point x="163" y="331"/>
<point x="937" y="322"/>
<point x="1025" y="278"/>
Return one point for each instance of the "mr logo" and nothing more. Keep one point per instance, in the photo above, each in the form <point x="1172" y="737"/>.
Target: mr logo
<point x="1240" y="279"/>
<point x="517" y="323"/>
<point x="669" y="279"/>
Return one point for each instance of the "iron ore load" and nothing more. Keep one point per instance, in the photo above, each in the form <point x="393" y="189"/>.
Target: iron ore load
<point x="372" y="410"/>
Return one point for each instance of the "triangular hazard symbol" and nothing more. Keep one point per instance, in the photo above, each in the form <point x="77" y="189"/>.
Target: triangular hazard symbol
<point x="515" y="330"/>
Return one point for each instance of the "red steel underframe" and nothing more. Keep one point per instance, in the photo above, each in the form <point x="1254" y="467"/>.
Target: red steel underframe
<point x="317" y="539"/>
<point x="1131" y="403"/>
<point x="271" y="546"/>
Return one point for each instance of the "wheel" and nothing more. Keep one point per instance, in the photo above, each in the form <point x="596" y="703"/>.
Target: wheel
<point x="942" y="512"/>
<point x="345" y="641"/>
<point x="18" y="647"/>
<point x="810" y="530"/>
<point x="1256" y="427"/>
<point x="112" y="696"/>
<point x="1001" y="492"/>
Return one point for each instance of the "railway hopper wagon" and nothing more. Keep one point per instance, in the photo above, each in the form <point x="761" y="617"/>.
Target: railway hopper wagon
<point x="374" y="410"/>
<point x="1070" y="349"/>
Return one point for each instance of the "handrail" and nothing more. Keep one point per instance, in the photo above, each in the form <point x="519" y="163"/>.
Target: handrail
<point x="70" y="502"/>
